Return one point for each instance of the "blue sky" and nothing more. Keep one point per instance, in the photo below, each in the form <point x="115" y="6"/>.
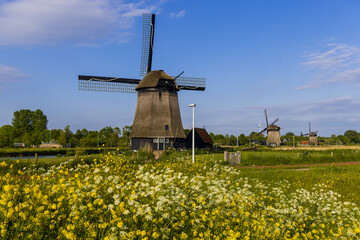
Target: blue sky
<point x="298" y="59"/>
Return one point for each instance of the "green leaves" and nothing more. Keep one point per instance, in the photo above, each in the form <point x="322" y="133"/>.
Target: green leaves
<point x="28" y="125"/>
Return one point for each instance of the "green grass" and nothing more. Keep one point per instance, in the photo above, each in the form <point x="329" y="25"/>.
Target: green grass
<point x="14" y="152"/>
<point x="290" y="157"/>
<point x="343" y="179"/>
<point x="13" y="166"/>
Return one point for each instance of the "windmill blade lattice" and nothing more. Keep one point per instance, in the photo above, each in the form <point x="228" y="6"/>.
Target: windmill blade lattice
<point x="106" y="86"/>
<point x="191" y="83"/>
<point x="147" y="43"/>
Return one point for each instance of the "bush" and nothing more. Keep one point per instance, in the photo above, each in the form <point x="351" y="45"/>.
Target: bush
<point x="70" y="153"/>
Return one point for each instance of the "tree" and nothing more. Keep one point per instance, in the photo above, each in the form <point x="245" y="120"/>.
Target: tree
<point x="253" y="136"/>
<point x="6" y="136"/>
<point x="218" y="139"/>
<point x="344" y="139"/>
<point x="333" y="139"/>
<point x="288" y="135"/>
<point x="353" y="136"/>
<point x="124" y="140"/>
<point x="22" y="122"/>
<point x="243" y="140"/>
<point x="28" y="125"/>
<point x="67" y="137"/>
<point x="232" y="140"/>
<point x="39" y="121"/>
<point x="90" y="140"/>
<point x="26" y="138"/>
<point x="109" y="136"/>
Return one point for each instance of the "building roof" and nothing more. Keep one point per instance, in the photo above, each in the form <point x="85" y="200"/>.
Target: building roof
<point x="204" y="135"/>
<point x="157" y="79"/>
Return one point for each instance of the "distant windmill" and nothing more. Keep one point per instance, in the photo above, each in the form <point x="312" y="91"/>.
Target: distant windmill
<point x="157" y="122"/>
<point x="273" y="132"/>
<point x="312" y="136"/>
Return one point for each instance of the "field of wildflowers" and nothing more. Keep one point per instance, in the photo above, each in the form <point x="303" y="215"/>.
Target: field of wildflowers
<point x="113" y="197"/>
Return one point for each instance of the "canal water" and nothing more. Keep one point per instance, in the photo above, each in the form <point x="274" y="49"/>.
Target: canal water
<point x="27" y="157"/>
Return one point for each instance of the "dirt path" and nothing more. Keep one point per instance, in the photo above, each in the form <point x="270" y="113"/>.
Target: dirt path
<point x="302" y="165"/>
<point x="318" y="148"/>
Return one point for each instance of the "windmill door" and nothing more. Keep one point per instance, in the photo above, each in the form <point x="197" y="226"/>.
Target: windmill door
<point x="161" y="143"/>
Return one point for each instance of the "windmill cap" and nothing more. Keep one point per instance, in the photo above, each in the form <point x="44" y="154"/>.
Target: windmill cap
<point x="273" y="128"/>
<point x="155" y="79"/>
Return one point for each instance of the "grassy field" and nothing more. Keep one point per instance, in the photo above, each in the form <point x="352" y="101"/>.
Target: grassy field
<point x="342" y="179"/>
<point x="265" y="157"/>
<point x="119" y="197"/>
<point x="15" y="152"/>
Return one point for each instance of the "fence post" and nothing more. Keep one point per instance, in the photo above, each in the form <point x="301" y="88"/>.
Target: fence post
<point x="238" y="157"/>
<point x="332" y="154"/>
<point x="36" y="157"/>
<point x="226" y="156"/>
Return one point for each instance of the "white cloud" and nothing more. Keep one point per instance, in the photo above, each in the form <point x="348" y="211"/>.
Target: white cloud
<point x="339" y="63"/>
<point x="33" y="22"/>
<point x="10" y="74"/>
<point x="179" y="14"/>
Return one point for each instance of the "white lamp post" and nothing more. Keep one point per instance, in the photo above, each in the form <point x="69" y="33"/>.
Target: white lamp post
<point x="193" y="133"/>
<point x="293" y="141"/>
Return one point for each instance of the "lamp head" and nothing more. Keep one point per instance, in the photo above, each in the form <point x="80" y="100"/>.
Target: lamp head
<point x="192" y="105"/>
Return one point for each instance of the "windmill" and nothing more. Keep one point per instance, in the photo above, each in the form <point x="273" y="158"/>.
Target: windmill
<point x="312" y="136"/>
<point x="157" y="122"/>
<point x="273" y="132"/>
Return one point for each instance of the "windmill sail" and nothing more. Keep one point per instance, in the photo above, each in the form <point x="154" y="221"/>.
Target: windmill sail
<point x="107" y="84"/>
<point x="147" y="43"/>
<point x="103" y="86"/>
<point x="128" y="85"/>
<point x="267" y="123"/>
<point x="191" y="83"/>
<point x="277" y="119"/>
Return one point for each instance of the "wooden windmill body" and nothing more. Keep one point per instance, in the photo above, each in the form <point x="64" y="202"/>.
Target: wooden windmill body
<point x="273" y="132"/>
<point x="312" y="136"/>
<point x="157" y="122"/>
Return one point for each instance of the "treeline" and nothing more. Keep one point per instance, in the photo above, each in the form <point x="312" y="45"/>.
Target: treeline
<point x="30" y="127"/>
<point x="349" y="137"/>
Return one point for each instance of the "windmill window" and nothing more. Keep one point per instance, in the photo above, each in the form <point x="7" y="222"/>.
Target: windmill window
<point x="160" y="95"/>
<point x="166" y="127"/>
